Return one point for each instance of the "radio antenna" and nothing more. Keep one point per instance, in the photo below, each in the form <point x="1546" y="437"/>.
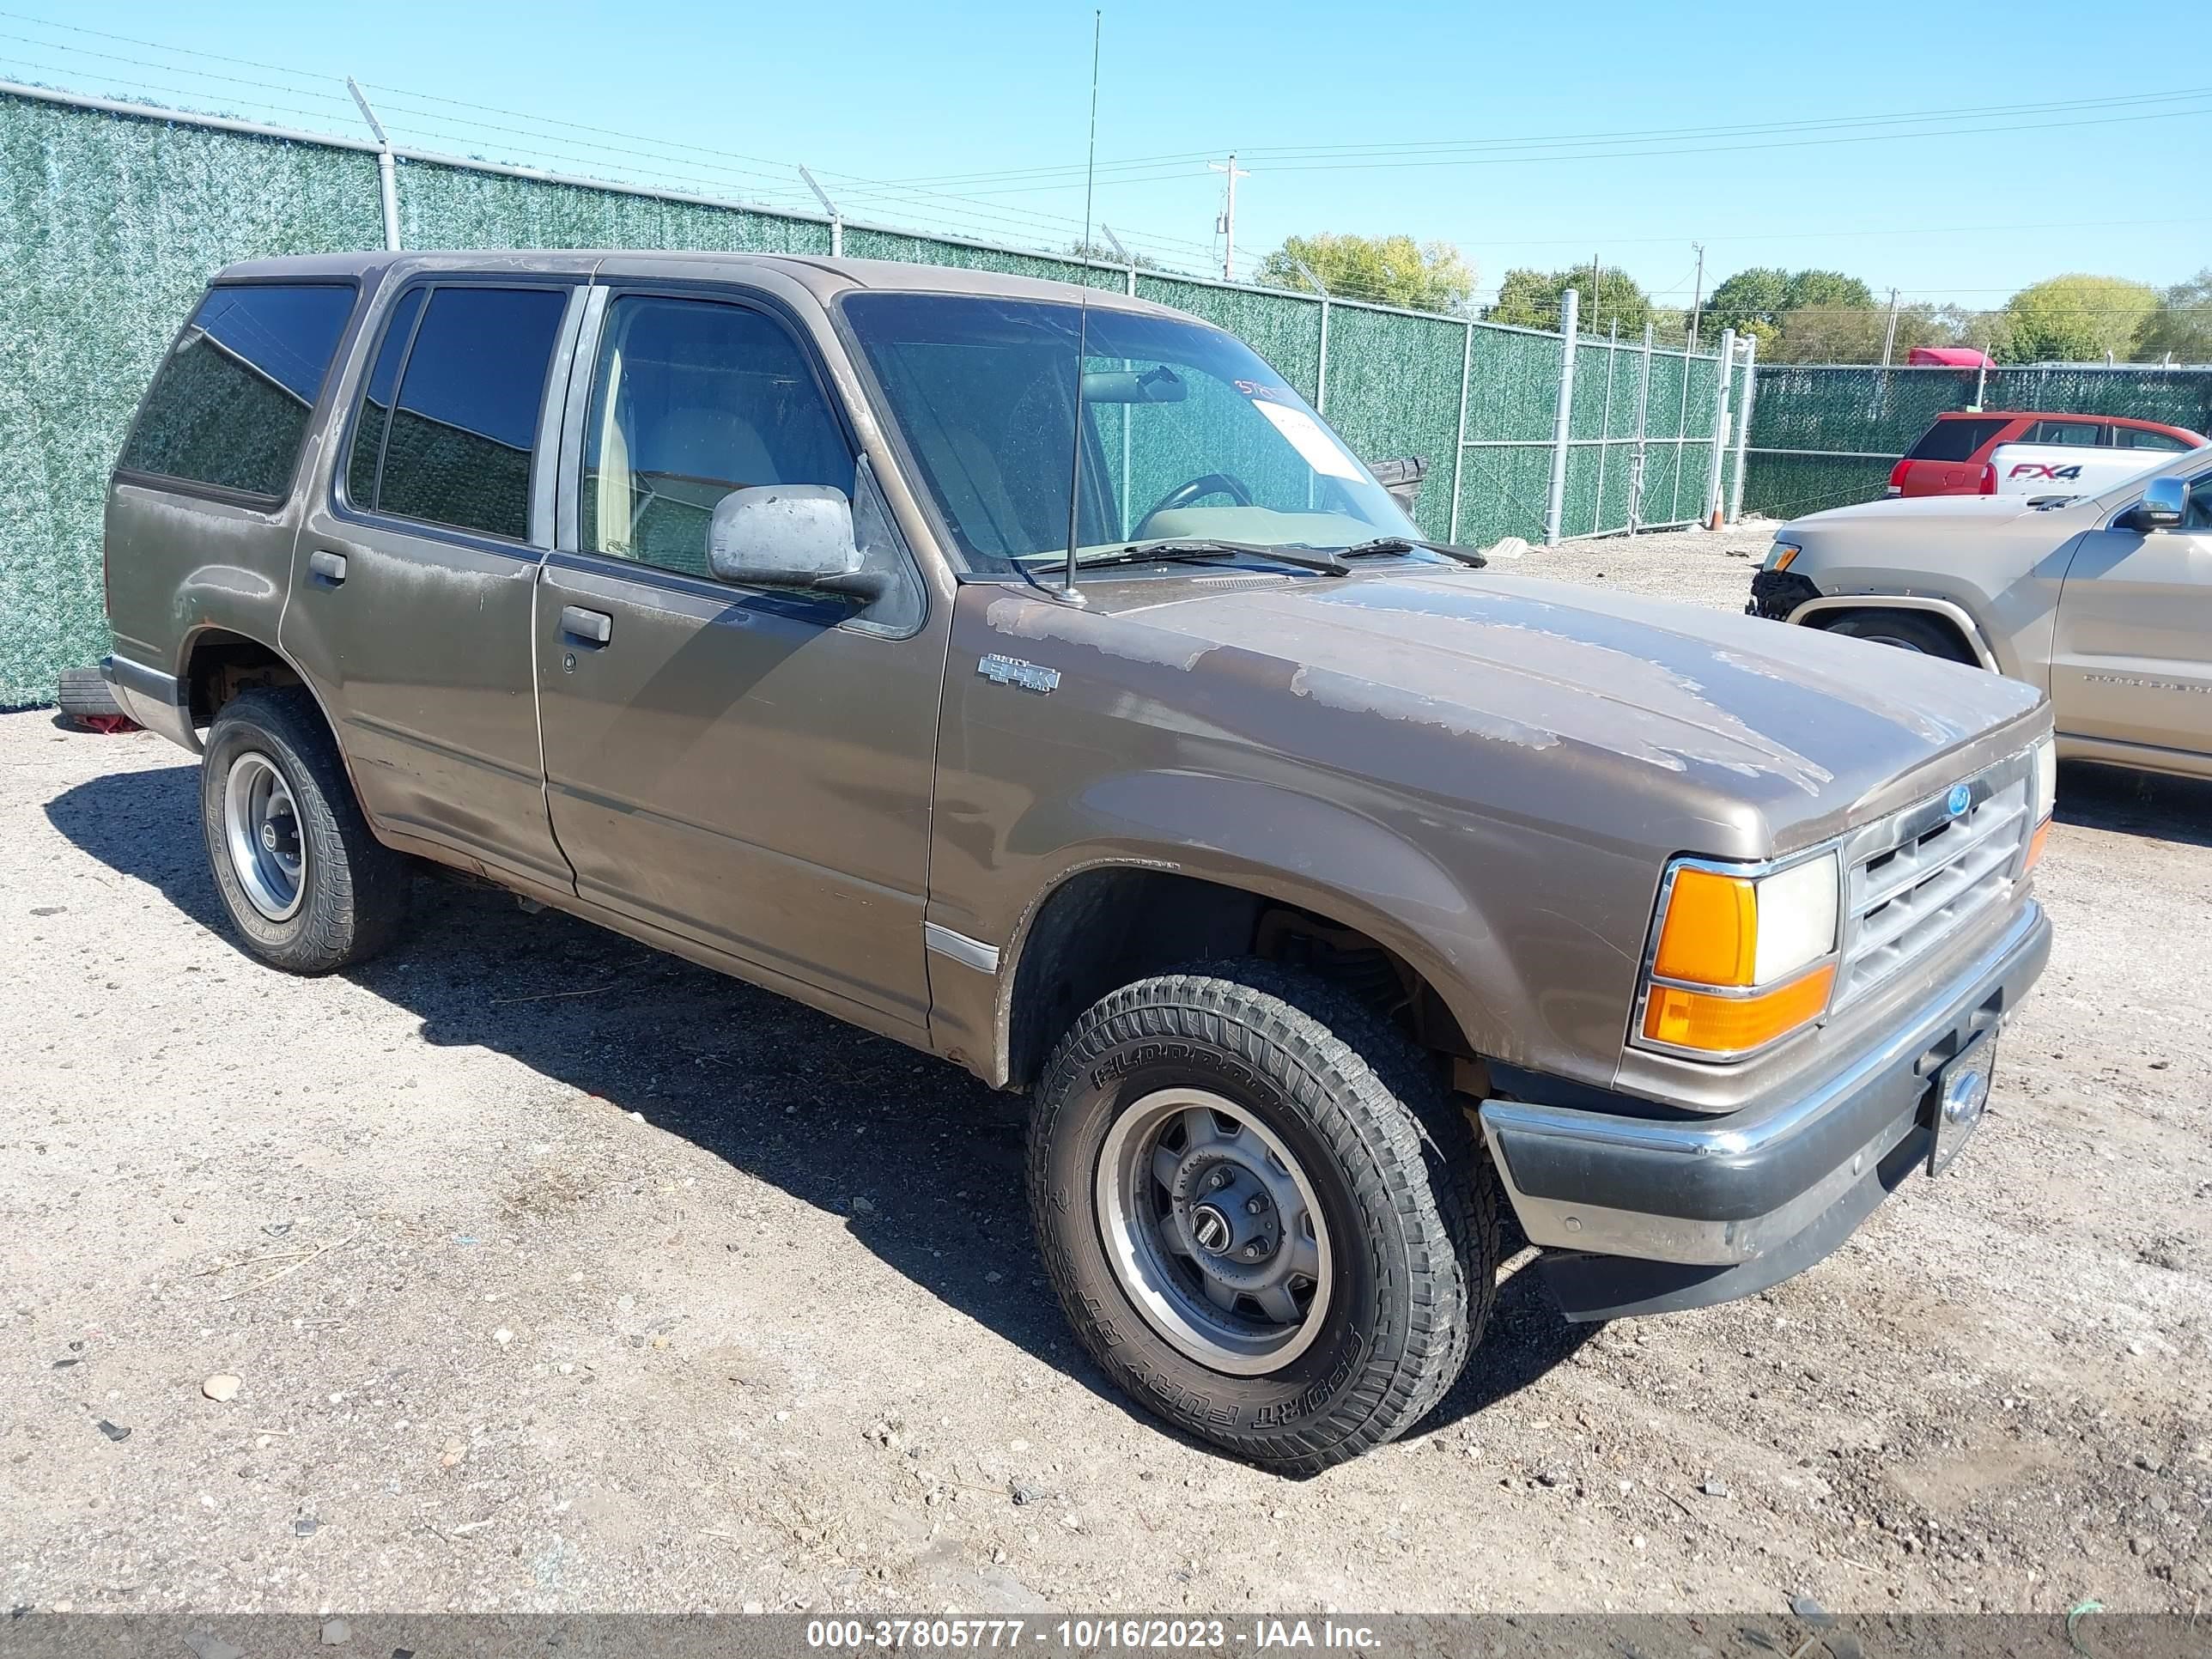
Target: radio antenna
<point x="1083" y="323"/>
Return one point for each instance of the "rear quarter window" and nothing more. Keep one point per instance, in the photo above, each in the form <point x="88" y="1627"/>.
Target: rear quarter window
<point x="2137" y="437"/>
<point x="1954" y="441"/>
<point x="230" y="404"/>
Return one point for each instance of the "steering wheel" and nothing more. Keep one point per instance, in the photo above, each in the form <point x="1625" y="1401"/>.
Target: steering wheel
<point x="1209" y="483"/>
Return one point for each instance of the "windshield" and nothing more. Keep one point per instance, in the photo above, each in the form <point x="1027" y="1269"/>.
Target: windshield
<point x="1186" y="436"/>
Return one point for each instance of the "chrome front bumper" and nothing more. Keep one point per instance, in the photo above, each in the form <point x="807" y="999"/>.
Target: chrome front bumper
<point x="1640" y="1212"/>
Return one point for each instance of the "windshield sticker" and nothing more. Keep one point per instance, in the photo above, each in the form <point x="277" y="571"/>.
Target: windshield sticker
<point x="1311" y="439"/>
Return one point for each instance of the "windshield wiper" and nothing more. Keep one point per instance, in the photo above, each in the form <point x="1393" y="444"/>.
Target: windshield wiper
<point x="1383" y="545"/>
<point x="1207" y="548"/>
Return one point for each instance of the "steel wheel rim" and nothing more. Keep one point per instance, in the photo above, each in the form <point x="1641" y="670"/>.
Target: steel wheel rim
<point x="1177" y="1178"/>
<point x="261" y="827"/>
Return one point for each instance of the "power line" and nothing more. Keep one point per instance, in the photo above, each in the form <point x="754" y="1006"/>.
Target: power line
<point x="1291" y="153"/>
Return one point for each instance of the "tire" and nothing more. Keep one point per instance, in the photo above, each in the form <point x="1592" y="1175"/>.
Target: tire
<point x="84" y="695"/>
<point x="272" y="774"/>
<point x="1329" y="1111"/>
<point x="1908" y="630"/>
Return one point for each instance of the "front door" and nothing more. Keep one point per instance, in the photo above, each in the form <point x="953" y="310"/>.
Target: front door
<point x="415" y="580"/>
<point x="747" y="769"/>
<point x="2132" y="661"/>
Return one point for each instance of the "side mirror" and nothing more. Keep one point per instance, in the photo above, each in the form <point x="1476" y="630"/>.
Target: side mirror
<point x="791" y="535"/>
<point x="2165" y="503"/>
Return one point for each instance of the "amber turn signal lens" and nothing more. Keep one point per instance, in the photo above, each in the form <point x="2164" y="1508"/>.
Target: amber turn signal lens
<point x="1711" y="932"/>
<point x="1728" y="1025"/>
<point x="2035" y="844"/>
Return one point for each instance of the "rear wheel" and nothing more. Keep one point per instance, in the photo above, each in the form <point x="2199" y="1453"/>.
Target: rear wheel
<point x="1908" y="630"/>
<point x="1264" y="1218"/>
<point x="308" y="887"/>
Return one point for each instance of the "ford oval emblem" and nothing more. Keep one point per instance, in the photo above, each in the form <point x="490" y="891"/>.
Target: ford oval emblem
<point x="1959" y="800"/>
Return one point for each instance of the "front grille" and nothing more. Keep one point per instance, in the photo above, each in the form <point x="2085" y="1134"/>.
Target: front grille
<point x="1915" y="878"/>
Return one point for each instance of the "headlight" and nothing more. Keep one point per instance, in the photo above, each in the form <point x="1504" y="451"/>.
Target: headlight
<point x="1740" y="958"/>
<point x="2047" y="797"/>
<point x="1779" y="556"/>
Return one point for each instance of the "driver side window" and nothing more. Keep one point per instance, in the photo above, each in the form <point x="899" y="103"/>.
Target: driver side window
<point x="2198" y="517"/>
<point x="691" y="399"/>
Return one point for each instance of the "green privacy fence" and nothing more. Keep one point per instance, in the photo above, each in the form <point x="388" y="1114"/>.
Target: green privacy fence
<point x="1825" y="435"/>
<point x="113" y="215"/>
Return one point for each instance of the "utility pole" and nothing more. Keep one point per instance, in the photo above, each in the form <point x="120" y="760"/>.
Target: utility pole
<point x="1227" y="222"/>
<point x="1889" y="334"/>
<point x="1697" y="294"/>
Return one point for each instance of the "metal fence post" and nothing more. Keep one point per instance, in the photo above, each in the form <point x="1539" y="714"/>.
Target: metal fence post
<point x="1715" y="462"/>
<point x="1321" y="373"/>
<point x="1681" y="437"/>
<point x="387" y="171"/>
<point x="1643" y="428"/>
<point x="1555" y="504"/>
<point x="1605" y="427"/>
<point x="836" y="219"/>
<point x="1743" y="425"/>
<point x="1459" y="442"/>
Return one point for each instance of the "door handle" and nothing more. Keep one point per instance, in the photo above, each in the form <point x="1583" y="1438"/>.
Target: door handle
<point x="328" y="565"/>
<point x="589" y="627"/>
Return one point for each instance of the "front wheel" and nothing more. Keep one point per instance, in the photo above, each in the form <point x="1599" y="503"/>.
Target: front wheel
<point x="1264" y="1218"/>
<point x="1906" y="630"/>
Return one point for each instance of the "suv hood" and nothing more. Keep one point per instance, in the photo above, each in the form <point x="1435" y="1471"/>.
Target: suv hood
<point x="1644" y="717"/>
<point x="1938" y="513"/>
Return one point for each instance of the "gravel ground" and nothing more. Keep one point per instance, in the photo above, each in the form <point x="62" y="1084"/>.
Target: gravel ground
<point x="555" y="1274"/>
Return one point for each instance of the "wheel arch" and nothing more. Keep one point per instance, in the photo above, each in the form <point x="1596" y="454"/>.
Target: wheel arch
<point x="1831" y="608"/>
<point x="1106" y="921"/>
<point x="215" y="663"/>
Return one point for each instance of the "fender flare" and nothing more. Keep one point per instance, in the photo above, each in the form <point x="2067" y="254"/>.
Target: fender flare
<point x="1952" y="612"/>
<point x="1407" y="901"/>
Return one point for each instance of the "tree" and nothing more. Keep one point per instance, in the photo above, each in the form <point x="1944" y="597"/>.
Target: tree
<point x="1532" y="299"/>
<point x="1392" y="270"/>
<point x="1762" y="302"/>
<point x="2076" y="319"/>
<point x="1752" y="302"/>
<point x="2182" y="324"/>
<point x="1830" y="290"/>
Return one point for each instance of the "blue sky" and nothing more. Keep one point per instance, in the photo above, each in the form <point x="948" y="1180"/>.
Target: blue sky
<point x="943" y="117"/>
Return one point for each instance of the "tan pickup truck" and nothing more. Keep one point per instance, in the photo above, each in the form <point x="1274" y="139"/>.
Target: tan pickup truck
<point x="2103" y="600"/>
<point x="1035" y="679"/>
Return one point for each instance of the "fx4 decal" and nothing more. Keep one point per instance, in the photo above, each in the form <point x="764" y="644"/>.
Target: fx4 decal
<point x="2038" y="470"/>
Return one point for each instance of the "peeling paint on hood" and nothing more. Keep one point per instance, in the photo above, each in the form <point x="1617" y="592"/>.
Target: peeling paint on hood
<point x="1541" y="664"/>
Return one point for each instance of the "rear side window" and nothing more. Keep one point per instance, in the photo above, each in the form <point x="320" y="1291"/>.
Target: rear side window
<point x="2135" y="437"/>
<point x="230" y="404"/>
<point x="1954" y="441"/>
<point x="453" y="442"/>
<point x="2078" y="434"/>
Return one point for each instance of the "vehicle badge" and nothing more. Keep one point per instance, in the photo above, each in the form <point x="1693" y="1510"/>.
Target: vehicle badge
<point x="1012" y="670"/>
<point x="1959" y="800"/>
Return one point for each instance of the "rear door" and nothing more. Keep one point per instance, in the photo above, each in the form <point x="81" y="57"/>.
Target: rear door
<point x="2132" y="660"/>
<point x="413" y="596"/>
<point x="747" y="768"/>
<point x="2062" y="456"/>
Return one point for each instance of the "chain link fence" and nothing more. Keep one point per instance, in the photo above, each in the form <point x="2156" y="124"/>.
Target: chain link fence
<point x="1825" y="435"/>
<point x="113" y="215"/>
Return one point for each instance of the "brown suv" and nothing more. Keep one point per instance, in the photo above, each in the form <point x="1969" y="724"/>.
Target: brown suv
<point x="1037" y="681"/>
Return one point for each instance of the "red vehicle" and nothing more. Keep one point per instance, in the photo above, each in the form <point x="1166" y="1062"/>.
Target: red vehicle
<point x="2044" y="454"/>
